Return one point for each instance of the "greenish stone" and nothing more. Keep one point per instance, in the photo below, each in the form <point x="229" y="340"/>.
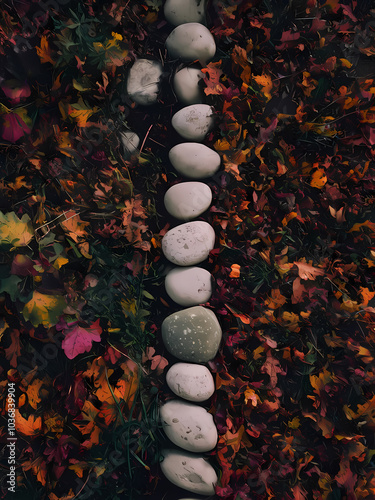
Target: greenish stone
<point x="192" y="334"/>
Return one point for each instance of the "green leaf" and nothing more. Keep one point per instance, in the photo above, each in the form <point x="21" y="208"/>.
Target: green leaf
<point x="148" y="295"/>
<point x="10" y="286"/>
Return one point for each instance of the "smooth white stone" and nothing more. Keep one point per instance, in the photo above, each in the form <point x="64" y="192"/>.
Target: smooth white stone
<point x="191" y="381"/>
<point x="188" y="200"/>
<point x="143" y="81"/>
<point x="188" y="471"/>
<point x="192" y="334"/>
<point x="193" y="122"/>
<point x="194" y="160"/>
<point x="130" y="141"/>
<point x="188" y="426"/>
<point x="186" y="85"/>
<point x="188" y="244"/>
<point x="184" y="11"/>
<point x="189" y="286"/>
<point x="191" y="41"/>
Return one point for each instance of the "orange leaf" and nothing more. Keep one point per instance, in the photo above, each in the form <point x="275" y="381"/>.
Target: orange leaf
<point x="307" y="271"/>
<point x="30" y="427"/>
<point x="212" y="78"/>
<point x="14" y="350"/>
<point x="318" y="179"/>
<point x="33" y="393"/>
<point x="243" y="317"/>
<point x="44" y="51"/>
<point x="236" y="271"/>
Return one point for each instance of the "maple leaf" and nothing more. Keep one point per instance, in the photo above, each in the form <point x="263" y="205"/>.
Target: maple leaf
<point x="44" y="309"/>
<point x="30" y="427"/>
<point x="15" y="232"/>
<point x="212" y="78"/>
<point x="14" y="350"/>
<point x="74" y="226"/>
<point x="308" y="272"/>
<point x="44" y="51"/>
<point x="79" y="340"/>
<point x="158" y="363"/>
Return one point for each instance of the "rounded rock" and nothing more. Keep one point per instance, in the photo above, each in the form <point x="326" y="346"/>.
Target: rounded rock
<point x="189" y="286"/>
<point x="191" y="381"/>
<point x="191" y="41"/>
<point x="188" y="471"/>
<point x="184" y="11"/>
<point x="188" y="244"/>
<point x="143" y="81"/>
<point x="188" y="200"/>
<point x="188" y="426"/>
<point x="186" y="85"/>
<point x="193" y="122"/>
<point x="194" y="160"/>
<point x="130" y="141"/>
<point x="192" y="334"/>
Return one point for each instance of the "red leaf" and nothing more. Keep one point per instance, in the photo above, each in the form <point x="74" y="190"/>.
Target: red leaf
<point x="79" y="340"/>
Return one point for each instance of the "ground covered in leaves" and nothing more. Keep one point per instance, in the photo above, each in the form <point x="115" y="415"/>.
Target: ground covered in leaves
<point x="82" y="298"/>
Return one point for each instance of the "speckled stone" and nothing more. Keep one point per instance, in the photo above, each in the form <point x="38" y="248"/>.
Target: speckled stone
<point x="190" y="381"/>
<point x="192" y="334"/>
<point x="188" y="426"/>
<point x="189" y="471"/>
<point x="143" y="81"/>
<point x="189" y="244"/>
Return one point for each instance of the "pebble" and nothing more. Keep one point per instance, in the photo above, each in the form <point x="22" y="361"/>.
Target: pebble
<point x="188" y="200"/>
<point x="186" y="85"/>
<point x="189" y="471"/>
<point x="143" y="81"/>
<point x="191" y="381"/>
<point x="130" y="141"/>
<point x="192" y="334"/>
<point x="194" y="160"/>
<point x="188" y="426"/>
<point x="193" y="122"/>
<point x="188" y="244"/>
<point x="184" y="11"/>
<point x="189" y="286"/>
<point x="191" y="42"/>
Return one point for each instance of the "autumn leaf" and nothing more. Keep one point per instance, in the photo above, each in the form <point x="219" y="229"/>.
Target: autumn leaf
<point x="308" y="272"/>
<point x="318" y="179"/>
<point x="44" y="309"/>
<point x="158" y="363"/>
<point x="212" y="78"/>
<point x="81" y="112"/>
<point x="272" y="368"/>
<point x="44" y="51"/>
<point x="265" y="82"/>
<point x="32" y="426"/>
<point x="86" y="420"/>
<point x="15" y="232"/>
<point x="33" y="393"/>
<point x="14" y="350"/>
<point x="79" y="340"/>
<point x="235" y="271"/>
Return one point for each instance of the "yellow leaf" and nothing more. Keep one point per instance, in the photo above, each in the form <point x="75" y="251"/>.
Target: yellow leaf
<point x="74" y="226"/>
<point x="44" y="309"/>
<point x="15" y="232"/>
<point x="265" y="82"/>
<point x="295" y="423"/>
<point x="59" y="262"/>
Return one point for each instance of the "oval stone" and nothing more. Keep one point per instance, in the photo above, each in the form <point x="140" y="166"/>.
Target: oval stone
<point x="192" y="334"/>
<point x="184" y="11"/>
<point x="191" y="41"/>
<point x="186" y="85"/>
<point x="188" y="244"/>
<point x="188" y="200"/>
<point x="130" y="141"/>
<point x="191" y="381"/>
<point x="189" y="286"/>
<point x="194" y="160"/>
<point x="188" y="471"/>
<point x="193" y="122"/>
<point x="188" y="426"/>
<point x="143" y="81"/>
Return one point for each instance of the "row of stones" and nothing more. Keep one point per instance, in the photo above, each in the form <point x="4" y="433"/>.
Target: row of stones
<point x="193" y="334"/>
